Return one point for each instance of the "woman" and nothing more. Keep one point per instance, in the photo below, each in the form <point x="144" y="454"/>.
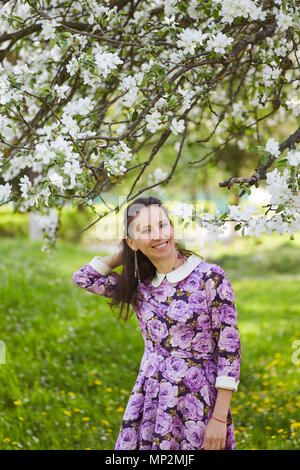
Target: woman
<point x="186" y="311"/>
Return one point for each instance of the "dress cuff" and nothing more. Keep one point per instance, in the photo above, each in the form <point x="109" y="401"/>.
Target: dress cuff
<point x="100" y="266"/>
<point x="224" y="381"/>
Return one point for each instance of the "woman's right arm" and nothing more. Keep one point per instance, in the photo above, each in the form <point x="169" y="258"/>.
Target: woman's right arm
<point x="97" y="276"/>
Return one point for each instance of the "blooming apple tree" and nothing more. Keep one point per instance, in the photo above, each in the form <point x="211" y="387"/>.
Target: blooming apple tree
<point x="85" y="84"/>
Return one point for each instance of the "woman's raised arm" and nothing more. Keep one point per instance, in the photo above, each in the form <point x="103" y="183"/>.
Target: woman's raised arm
<point x="97" y="276"/>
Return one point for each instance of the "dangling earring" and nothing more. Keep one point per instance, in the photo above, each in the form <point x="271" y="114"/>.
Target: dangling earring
<point x="136" y="269"/>
<point x="177" y="251"/>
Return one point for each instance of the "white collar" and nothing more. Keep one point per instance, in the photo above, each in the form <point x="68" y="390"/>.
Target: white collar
<point x="179" y="273"/>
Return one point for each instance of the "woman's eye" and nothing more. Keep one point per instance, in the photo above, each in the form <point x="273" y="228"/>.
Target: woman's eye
<point x="147" y="230"/>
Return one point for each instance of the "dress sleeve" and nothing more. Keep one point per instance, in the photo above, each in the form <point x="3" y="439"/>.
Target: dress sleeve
<point x="96" y="277"/>
<point x="225" y="330"/>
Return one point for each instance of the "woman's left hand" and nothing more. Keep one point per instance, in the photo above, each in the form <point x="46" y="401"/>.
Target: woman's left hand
<point x="214" y="435"/>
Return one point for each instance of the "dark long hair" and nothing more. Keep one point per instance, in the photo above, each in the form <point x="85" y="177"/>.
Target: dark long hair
<point x="125" y="291"/>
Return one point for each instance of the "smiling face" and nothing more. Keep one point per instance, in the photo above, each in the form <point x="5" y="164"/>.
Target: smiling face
<point x="149" y="229"/>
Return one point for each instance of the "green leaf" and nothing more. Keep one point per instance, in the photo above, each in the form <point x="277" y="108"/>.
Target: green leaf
<point x="253" y="148"/>
<point x="134" y="115"/>
<point x="281" y="162"/>
<point x="237" y="227"/>
<point x="215" y="14"/>
<point x="264" y="160"/>
<point x="280" y="208"/>
<point x="94" y="117"/>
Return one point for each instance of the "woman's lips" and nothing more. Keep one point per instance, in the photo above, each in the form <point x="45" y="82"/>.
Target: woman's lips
<point x="163" y="247"/>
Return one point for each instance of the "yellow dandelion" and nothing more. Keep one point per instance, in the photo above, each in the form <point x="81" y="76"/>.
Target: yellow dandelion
<point x="293" y="434"/>
<point x="6" y="440"/>
<point x="104" y="421"/>
<point x="44" y="413"/>
<point x="268" y="428"/>
<point x="21" y="418"/>
<point x="86" y="419"/>
<point x="67" y="413"/>
<point x="98" y="382"/>
<point x="295" y="425"/>
<point x="123" y="391"/>
<point x="280" y="430"/>
<point x="108" y="389"/>
<point x="120" y="409"/>
<point x="273" y="437"/>
<point x="94" y="428"/>
<point x="77" y="410"/>
<point x="92" y="372"/>
<point x="62" y="391"/>
<point x="108" y="408"/>
<point x="88" y="448"/>
<point x="260" y="410"/>
<point x="71" y="394"/>
<point x="14" y="443"/>
<point x="17" y="402"/>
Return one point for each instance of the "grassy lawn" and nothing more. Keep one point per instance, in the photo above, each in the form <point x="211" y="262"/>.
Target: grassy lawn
<point x="71" y="364"/>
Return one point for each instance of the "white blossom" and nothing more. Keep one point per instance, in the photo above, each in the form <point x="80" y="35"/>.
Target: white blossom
<point x="56" y="180"/>
<point x="5" y="192"/>
<point x="44" y="153"/>
<point x="72" y="169"/>
<point x="177" y="126"/>
<point x="232" y="9"/>
<point x="153" y="121"/>
<point x="82" y="106"/>
<point x="293" y="157"/>
<point x="61" y="91"/>
<point x="70" y="125"/>
<point x="189" y="39"/>
<point x="72" y="66"/>
<point x="105" y="61"/>
<point x="218" y="43"/>
<point x="48" y="28"/>
<point x="277" y="186"/>
<point x="272" y="146"/>
<point x="284" y="21"/>
<point x="25" y="186"/>
<point x="182" y="210"/>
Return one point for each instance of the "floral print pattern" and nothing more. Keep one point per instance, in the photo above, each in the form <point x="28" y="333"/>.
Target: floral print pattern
<point x="191" y="339"/>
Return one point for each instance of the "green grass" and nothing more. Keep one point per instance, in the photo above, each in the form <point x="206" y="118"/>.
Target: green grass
<point x="71" y="364"/>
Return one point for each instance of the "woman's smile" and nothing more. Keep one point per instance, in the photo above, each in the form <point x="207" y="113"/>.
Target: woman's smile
<point x="162" y="246"/>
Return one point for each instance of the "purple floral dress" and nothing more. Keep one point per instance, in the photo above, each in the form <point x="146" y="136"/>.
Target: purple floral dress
<point x="188" y="320"/>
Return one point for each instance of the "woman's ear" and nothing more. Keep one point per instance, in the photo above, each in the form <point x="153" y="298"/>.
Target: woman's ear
<point x="130" y="243"/>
